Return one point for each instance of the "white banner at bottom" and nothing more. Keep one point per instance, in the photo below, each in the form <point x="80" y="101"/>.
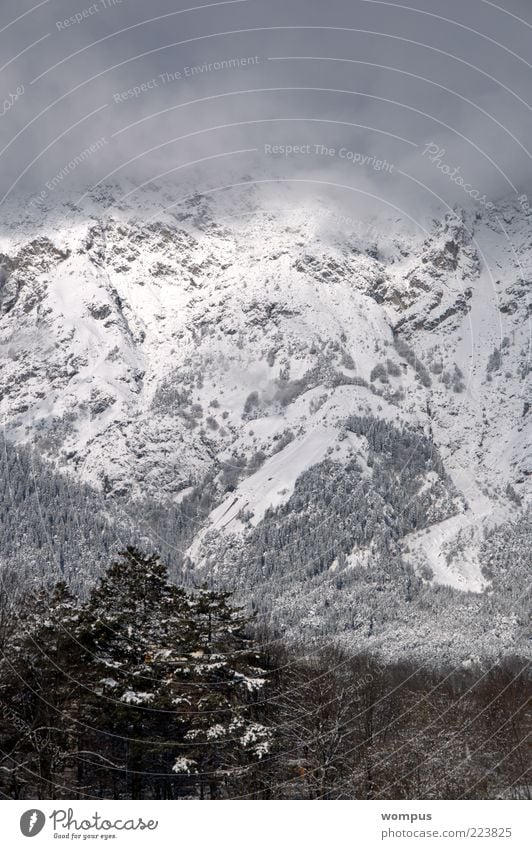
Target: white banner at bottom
<point x="247" y="824"/>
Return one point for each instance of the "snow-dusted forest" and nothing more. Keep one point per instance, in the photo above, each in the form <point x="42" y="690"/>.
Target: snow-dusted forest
<point x="147" y="690"/>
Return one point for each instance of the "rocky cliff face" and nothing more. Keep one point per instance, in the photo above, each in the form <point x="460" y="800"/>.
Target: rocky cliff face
<point x="149" y="345"/>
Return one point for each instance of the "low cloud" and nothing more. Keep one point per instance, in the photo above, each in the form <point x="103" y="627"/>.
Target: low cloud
<point x="205" y="92"/>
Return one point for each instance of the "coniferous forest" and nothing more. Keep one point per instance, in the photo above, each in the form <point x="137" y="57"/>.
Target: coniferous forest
<point x="143" y="689"/>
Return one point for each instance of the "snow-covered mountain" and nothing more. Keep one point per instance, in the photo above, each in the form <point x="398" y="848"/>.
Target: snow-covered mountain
<point x="366" y="389"/>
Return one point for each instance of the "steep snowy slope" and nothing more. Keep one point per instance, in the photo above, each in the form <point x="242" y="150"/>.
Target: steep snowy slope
<point x="151" y="345"/>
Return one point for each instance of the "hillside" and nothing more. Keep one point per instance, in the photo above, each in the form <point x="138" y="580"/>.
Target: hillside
<point x="333" y="419"/>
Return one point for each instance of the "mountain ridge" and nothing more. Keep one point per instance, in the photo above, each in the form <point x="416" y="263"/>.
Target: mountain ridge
<point x="146" y="350"/>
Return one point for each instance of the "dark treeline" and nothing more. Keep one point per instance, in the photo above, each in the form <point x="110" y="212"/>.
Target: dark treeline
<point x="145" y="689"/>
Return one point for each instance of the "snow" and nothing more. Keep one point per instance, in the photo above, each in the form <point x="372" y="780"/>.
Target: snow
<point x="131" y="697"/>
<point x="273" y="484"/>
<point x="184" y="766"/>
<point x="256" y="303"/>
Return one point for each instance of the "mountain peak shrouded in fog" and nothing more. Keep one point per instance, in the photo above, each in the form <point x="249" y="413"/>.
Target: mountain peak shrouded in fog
<point x="157" y="348"/>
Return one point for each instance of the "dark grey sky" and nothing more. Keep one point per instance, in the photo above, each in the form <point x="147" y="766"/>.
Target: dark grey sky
<point x="367" y="77"/>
